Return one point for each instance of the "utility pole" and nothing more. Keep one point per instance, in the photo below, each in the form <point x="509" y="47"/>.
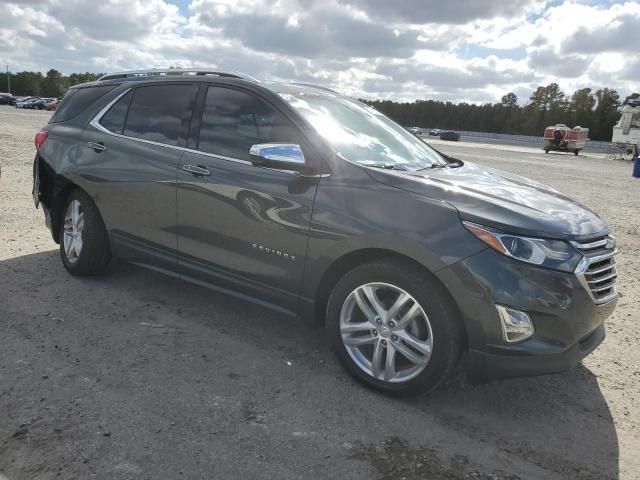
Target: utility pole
<point x="8" y="81"/>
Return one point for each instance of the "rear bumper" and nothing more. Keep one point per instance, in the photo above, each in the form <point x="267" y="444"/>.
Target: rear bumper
<point x="484" y="366"/>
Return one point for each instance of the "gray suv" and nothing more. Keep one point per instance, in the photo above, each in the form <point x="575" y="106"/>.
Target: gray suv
<point x="303" y="200"/>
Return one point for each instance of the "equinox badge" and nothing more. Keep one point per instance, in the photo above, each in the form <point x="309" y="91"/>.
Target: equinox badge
<point x="273" y="251"/>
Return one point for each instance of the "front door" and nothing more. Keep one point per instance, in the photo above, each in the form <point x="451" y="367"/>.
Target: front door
<point x="240" y="226"/>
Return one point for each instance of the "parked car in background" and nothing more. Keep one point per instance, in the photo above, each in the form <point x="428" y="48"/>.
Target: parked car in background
<point x="52" y="105"/>
<point x="38" y="103"/>
<point x="315" y="204"/>
<point x="34" y="103"/>
<point x="449" y="135"/>
<point x="7" y="99"/>
<point x="415" y="130"/>
<point x="23" y="101"/>
<point x="435" y="132"/>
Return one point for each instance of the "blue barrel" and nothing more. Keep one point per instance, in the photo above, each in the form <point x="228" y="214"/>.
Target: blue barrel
<point x="636" y="166"/>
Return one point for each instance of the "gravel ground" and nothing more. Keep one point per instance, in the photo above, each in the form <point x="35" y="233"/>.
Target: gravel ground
<point x="136" y="375"/>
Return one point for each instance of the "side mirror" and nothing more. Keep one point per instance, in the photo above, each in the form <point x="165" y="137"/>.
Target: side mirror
<point x="282" y="156"/>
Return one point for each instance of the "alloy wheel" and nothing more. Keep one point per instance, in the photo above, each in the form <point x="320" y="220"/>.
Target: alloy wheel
<point x="73" y="228"/>
<point x="386" y="332"/>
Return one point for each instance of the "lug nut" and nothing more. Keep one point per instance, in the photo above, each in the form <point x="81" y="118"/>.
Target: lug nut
<point x="374" y="332"/>
<point x="392" y="324"/>
<point x="378" y="320"/>
<point x="394" y="337"/>
<point x="384" y="342"/>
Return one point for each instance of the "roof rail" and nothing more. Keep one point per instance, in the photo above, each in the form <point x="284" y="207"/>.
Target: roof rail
<point x="313" y="85"/>
<point x="178" y="72"/>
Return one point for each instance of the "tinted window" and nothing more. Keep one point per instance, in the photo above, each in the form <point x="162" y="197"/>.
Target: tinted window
<point x="114" y="119"/>
<point x="78" y="99"/>
<point x="161" y="113"/>
<point x="233" y="121"/>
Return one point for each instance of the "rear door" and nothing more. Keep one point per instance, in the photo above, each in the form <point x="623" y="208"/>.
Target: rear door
<point x="136" y="146"/>
<point x="243" y="226"/>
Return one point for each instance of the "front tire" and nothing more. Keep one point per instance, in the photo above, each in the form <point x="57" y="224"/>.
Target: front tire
<point x="84" y="243"/>
<point x="394" y="328"/>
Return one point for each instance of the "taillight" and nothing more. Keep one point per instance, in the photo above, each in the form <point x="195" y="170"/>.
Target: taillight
<point x="41" y="136"/>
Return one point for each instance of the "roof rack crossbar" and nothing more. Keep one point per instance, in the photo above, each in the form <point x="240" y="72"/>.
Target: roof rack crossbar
<point x="178" y="72"/>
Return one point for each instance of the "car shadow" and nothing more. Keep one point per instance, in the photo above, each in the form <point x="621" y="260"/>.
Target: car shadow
<point x="560" y="423"/>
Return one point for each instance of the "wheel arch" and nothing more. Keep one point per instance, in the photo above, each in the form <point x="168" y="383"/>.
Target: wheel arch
<point x="54" y="189"/>
<point x="351" y="260"/>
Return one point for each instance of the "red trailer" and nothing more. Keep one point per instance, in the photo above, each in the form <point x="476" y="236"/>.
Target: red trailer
<point x="564" y="139"/>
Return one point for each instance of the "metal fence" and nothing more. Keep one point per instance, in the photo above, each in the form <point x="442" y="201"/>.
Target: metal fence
<point x="523" y="140"/>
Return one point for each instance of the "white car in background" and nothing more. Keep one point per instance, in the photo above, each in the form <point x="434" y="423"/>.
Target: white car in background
<point x="21" y="102"/>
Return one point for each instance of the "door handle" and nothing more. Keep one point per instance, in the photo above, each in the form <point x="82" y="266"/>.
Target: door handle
<point x="197" y="170"/>
<point x="97" y="146"/>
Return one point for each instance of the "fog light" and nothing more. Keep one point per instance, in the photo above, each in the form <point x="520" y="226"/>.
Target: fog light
<point x="516" y="325"/>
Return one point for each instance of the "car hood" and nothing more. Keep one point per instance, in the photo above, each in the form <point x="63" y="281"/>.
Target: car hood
<point x="501" y="200"/>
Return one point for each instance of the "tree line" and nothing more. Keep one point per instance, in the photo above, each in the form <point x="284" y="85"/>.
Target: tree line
<point x="53" y="84"/>
<point x="547" y="105"/>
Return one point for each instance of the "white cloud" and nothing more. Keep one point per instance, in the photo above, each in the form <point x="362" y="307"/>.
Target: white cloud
<point x="456" y="50"/>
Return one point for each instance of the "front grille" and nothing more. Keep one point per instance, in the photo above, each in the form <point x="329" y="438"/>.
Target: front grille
<point x="597" y="271"/>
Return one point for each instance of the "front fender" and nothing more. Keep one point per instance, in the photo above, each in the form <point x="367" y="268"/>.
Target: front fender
<point x="354" y="212"/>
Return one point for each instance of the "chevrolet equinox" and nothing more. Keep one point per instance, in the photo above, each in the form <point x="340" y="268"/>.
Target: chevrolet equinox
<point x="304" y="200"/>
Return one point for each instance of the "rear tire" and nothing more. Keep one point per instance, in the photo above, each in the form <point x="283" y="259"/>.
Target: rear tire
<point x="84" y="243"/>
<point x="356" y="336"/>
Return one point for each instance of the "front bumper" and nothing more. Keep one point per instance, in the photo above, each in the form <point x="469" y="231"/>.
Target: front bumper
<point x="485" y="366"/>
<point x="568" y="324"/>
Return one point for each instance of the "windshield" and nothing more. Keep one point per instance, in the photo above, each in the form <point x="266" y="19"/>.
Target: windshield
<point x="362" y="134"/>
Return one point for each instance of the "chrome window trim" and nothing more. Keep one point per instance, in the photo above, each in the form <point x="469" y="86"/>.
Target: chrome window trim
<point x="95" y="123"/>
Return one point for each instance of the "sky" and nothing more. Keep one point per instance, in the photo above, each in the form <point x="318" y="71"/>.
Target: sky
<point x="450" y="50"/>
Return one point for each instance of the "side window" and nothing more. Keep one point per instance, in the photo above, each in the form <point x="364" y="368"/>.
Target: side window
<point x="161" y="113"/>
<point x="233" y="121"/>
<point x="114" y="119"/>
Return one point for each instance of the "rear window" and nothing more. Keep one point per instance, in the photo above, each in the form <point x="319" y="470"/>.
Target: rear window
<point x="161" y="113"/>
<point x="78" y="99"/>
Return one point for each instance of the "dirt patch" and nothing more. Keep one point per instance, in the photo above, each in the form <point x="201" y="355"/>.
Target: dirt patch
<point x="396" y="459"/>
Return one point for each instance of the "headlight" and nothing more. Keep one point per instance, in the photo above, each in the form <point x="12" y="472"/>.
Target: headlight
<point x="556" y="254"/>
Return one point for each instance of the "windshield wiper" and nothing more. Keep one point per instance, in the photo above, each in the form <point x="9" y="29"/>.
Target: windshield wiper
<point x="435" y="165"/>
<point x="455" y="163"/>
<point x="451" y="163"/>
<point x="388" y="166"/>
